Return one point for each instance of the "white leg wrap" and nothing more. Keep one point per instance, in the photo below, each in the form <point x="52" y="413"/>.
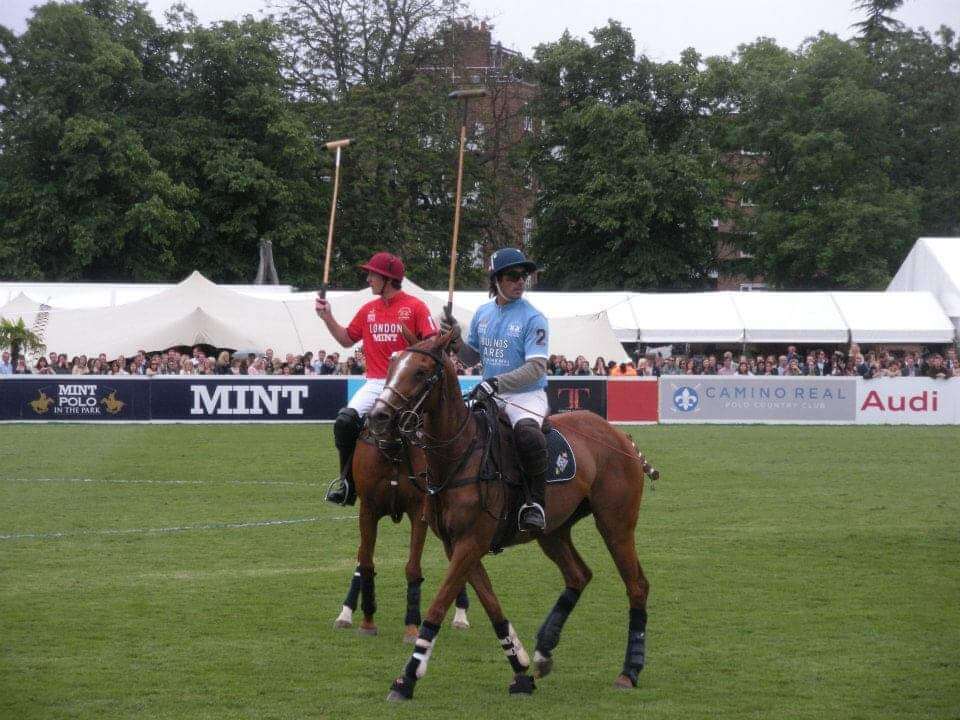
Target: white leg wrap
<point x="423" y="650"/>
<point x="516" y="648"/>
<point x="346" y="615"/>
<point x="538" y="657"/>
<point x="460" y="619"/>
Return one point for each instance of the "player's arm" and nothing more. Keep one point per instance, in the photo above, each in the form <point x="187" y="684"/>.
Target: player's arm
<point x="339" y="332"/>
<point x="534" y="368"/>
<point x="467" y="352"/>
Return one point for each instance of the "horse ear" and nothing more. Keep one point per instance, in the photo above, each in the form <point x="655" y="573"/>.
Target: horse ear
<point x="444" y="339"/>
<point x="408" y="334"/>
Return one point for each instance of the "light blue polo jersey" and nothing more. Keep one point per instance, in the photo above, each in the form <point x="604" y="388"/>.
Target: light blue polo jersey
<point x="506" y="336"/>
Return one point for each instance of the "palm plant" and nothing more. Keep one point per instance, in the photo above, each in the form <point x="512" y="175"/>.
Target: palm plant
<point x="17" y="337"/>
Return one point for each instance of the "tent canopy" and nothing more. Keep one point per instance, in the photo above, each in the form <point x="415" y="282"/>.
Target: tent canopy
<point x="199" y="311"/>
<point x="933" y="265"/>
<point x="687" y="318"/>
<point x="894" y="317"/>
<point x="790" y="317"/>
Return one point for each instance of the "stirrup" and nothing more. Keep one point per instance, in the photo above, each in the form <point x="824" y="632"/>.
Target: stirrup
<point x="339" y="491"/>
<point x="532" y="517"/>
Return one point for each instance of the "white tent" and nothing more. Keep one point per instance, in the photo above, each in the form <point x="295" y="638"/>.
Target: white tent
<point x="933" y="265"/>
<point x="894" y="317"/>
<point x="687" y="318"/>
<point x="199" y="311"/>
<point x="77" y="296"/>
<point x="790" y="317"/>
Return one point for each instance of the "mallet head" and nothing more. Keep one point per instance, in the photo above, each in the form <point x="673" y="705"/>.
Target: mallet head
<point x="334" y="144"/>
<point x="467" y="94"/>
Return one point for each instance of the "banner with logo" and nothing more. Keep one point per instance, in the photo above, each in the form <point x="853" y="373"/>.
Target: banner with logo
<point x="172" y="398"/>
<point x="75" y="398"/>
<point x="908" y="401"/>
<point x="633" y="400"/>
<point x="566" y="394"/>
<point x="762" y="399"/>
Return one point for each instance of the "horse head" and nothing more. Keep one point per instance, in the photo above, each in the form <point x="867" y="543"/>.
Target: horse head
<point x="413" y="377"/>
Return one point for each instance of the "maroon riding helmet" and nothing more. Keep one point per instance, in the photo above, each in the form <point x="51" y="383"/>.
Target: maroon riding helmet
<point x="386" y="264"/>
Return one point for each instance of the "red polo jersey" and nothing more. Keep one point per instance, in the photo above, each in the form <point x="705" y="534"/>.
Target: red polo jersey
<point x="378" y="324"/>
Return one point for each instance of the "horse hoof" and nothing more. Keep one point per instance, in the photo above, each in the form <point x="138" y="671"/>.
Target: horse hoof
<point x="522" y="685"/>
<point x="400" y="690"/>
<point x="369" y="630"/>
<point x="460" y="621"/>
<point x="624" y="683"/>
<point x="410" y="634"/>
<point x="542" y="666"/>
<point x="342" y="624"/>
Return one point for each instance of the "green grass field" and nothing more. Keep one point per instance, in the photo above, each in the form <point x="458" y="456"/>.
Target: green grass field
<point x="796" y="572"/>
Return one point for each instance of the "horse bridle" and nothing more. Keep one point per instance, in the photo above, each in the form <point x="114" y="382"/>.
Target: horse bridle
<point x="409" y="418"/>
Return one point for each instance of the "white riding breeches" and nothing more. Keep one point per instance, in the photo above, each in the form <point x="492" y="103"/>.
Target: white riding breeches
<point x="366" y="396"/>
<point x="518" y="406"/>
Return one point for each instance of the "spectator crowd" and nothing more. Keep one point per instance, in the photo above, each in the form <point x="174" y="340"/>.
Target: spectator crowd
<point x="868" y="365"/>
<point x="195" y="361"/>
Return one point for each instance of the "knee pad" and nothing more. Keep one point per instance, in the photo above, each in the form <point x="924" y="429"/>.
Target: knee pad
<point x="347" y="427"/>
<point x="529" y="436"/>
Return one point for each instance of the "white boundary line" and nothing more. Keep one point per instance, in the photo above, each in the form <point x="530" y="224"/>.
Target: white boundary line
<point x="180" y="528"/>
<point x="122" y="481"/>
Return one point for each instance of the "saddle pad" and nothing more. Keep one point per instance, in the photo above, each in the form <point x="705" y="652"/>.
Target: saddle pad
<point x="561" y="464"/>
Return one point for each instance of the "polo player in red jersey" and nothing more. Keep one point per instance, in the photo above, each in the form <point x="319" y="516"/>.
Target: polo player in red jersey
<point x="379" y="324"/>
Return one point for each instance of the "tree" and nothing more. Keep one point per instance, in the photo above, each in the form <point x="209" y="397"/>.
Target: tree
<point x="334" y="45"/>
<point x="827" y="214"/>
<point x="17" y="336"/>
<point x="878" y="23"/>
<point x="629" y="181"/>
<point x="81" y="194"/>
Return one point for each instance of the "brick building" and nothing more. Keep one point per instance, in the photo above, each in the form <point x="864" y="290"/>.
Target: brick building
<point x="495" y="125"/>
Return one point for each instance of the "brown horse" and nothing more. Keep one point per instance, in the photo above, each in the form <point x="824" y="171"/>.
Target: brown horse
<point x="422" y="398"/>
<point x="382" y="470"/>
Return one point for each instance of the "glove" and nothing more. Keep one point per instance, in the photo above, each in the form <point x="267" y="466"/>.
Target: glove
<point x="449" y="324"/>
<point x="485" y="390"/>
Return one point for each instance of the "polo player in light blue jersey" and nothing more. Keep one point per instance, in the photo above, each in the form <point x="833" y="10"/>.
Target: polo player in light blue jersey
<point x="511" y="337"/>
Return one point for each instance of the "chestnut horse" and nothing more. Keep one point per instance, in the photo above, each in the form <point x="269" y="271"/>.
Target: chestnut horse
<point x="422" y="399"/>
<point x="382" y="470"/>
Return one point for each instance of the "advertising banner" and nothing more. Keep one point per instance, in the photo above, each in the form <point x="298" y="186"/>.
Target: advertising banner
<point x="566" y="394"/>
<point x="761" y="399"/>
<point x="236" y="398"/>
<point x="75" y="398"/>
<point x="908" y="401"/>
<point x="632" y="400"/>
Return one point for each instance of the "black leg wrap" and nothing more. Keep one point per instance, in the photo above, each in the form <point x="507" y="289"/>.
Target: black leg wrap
<point x="463" y="600"/>
<point x="354" y="592"/>
<point x="428" y="631"/>
<point x="636" y="644"/>
<point x="522" y="685"/>
<point x="413" y="603"/>
<point x="548" y="636"/>
<point x="368" y="598"/>
<point x="502" y="629"/>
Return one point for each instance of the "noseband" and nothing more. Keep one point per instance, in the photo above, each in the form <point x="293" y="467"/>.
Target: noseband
<point x="409" y="419"/>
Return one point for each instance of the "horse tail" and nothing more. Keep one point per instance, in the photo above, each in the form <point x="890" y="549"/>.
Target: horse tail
<point x="649" y="470"/>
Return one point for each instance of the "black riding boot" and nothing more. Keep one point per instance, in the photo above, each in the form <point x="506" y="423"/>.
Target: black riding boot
<point x="532" y="449"/>
<point x="346" y="430"/>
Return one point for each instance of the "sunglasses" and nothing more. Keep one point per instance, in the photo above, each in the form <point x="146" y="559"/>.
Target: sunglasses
<point x="514" y="276"/>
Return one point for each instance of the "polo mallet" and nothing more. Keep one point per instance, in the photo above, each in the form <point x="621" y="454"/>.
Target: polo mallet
<point x="466" y="96"/>
<point x="333" y="145"/>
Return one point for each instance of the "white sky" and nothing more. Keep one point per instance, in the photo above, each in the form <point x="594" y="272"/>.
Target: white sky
<point x="661" y="28"/>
